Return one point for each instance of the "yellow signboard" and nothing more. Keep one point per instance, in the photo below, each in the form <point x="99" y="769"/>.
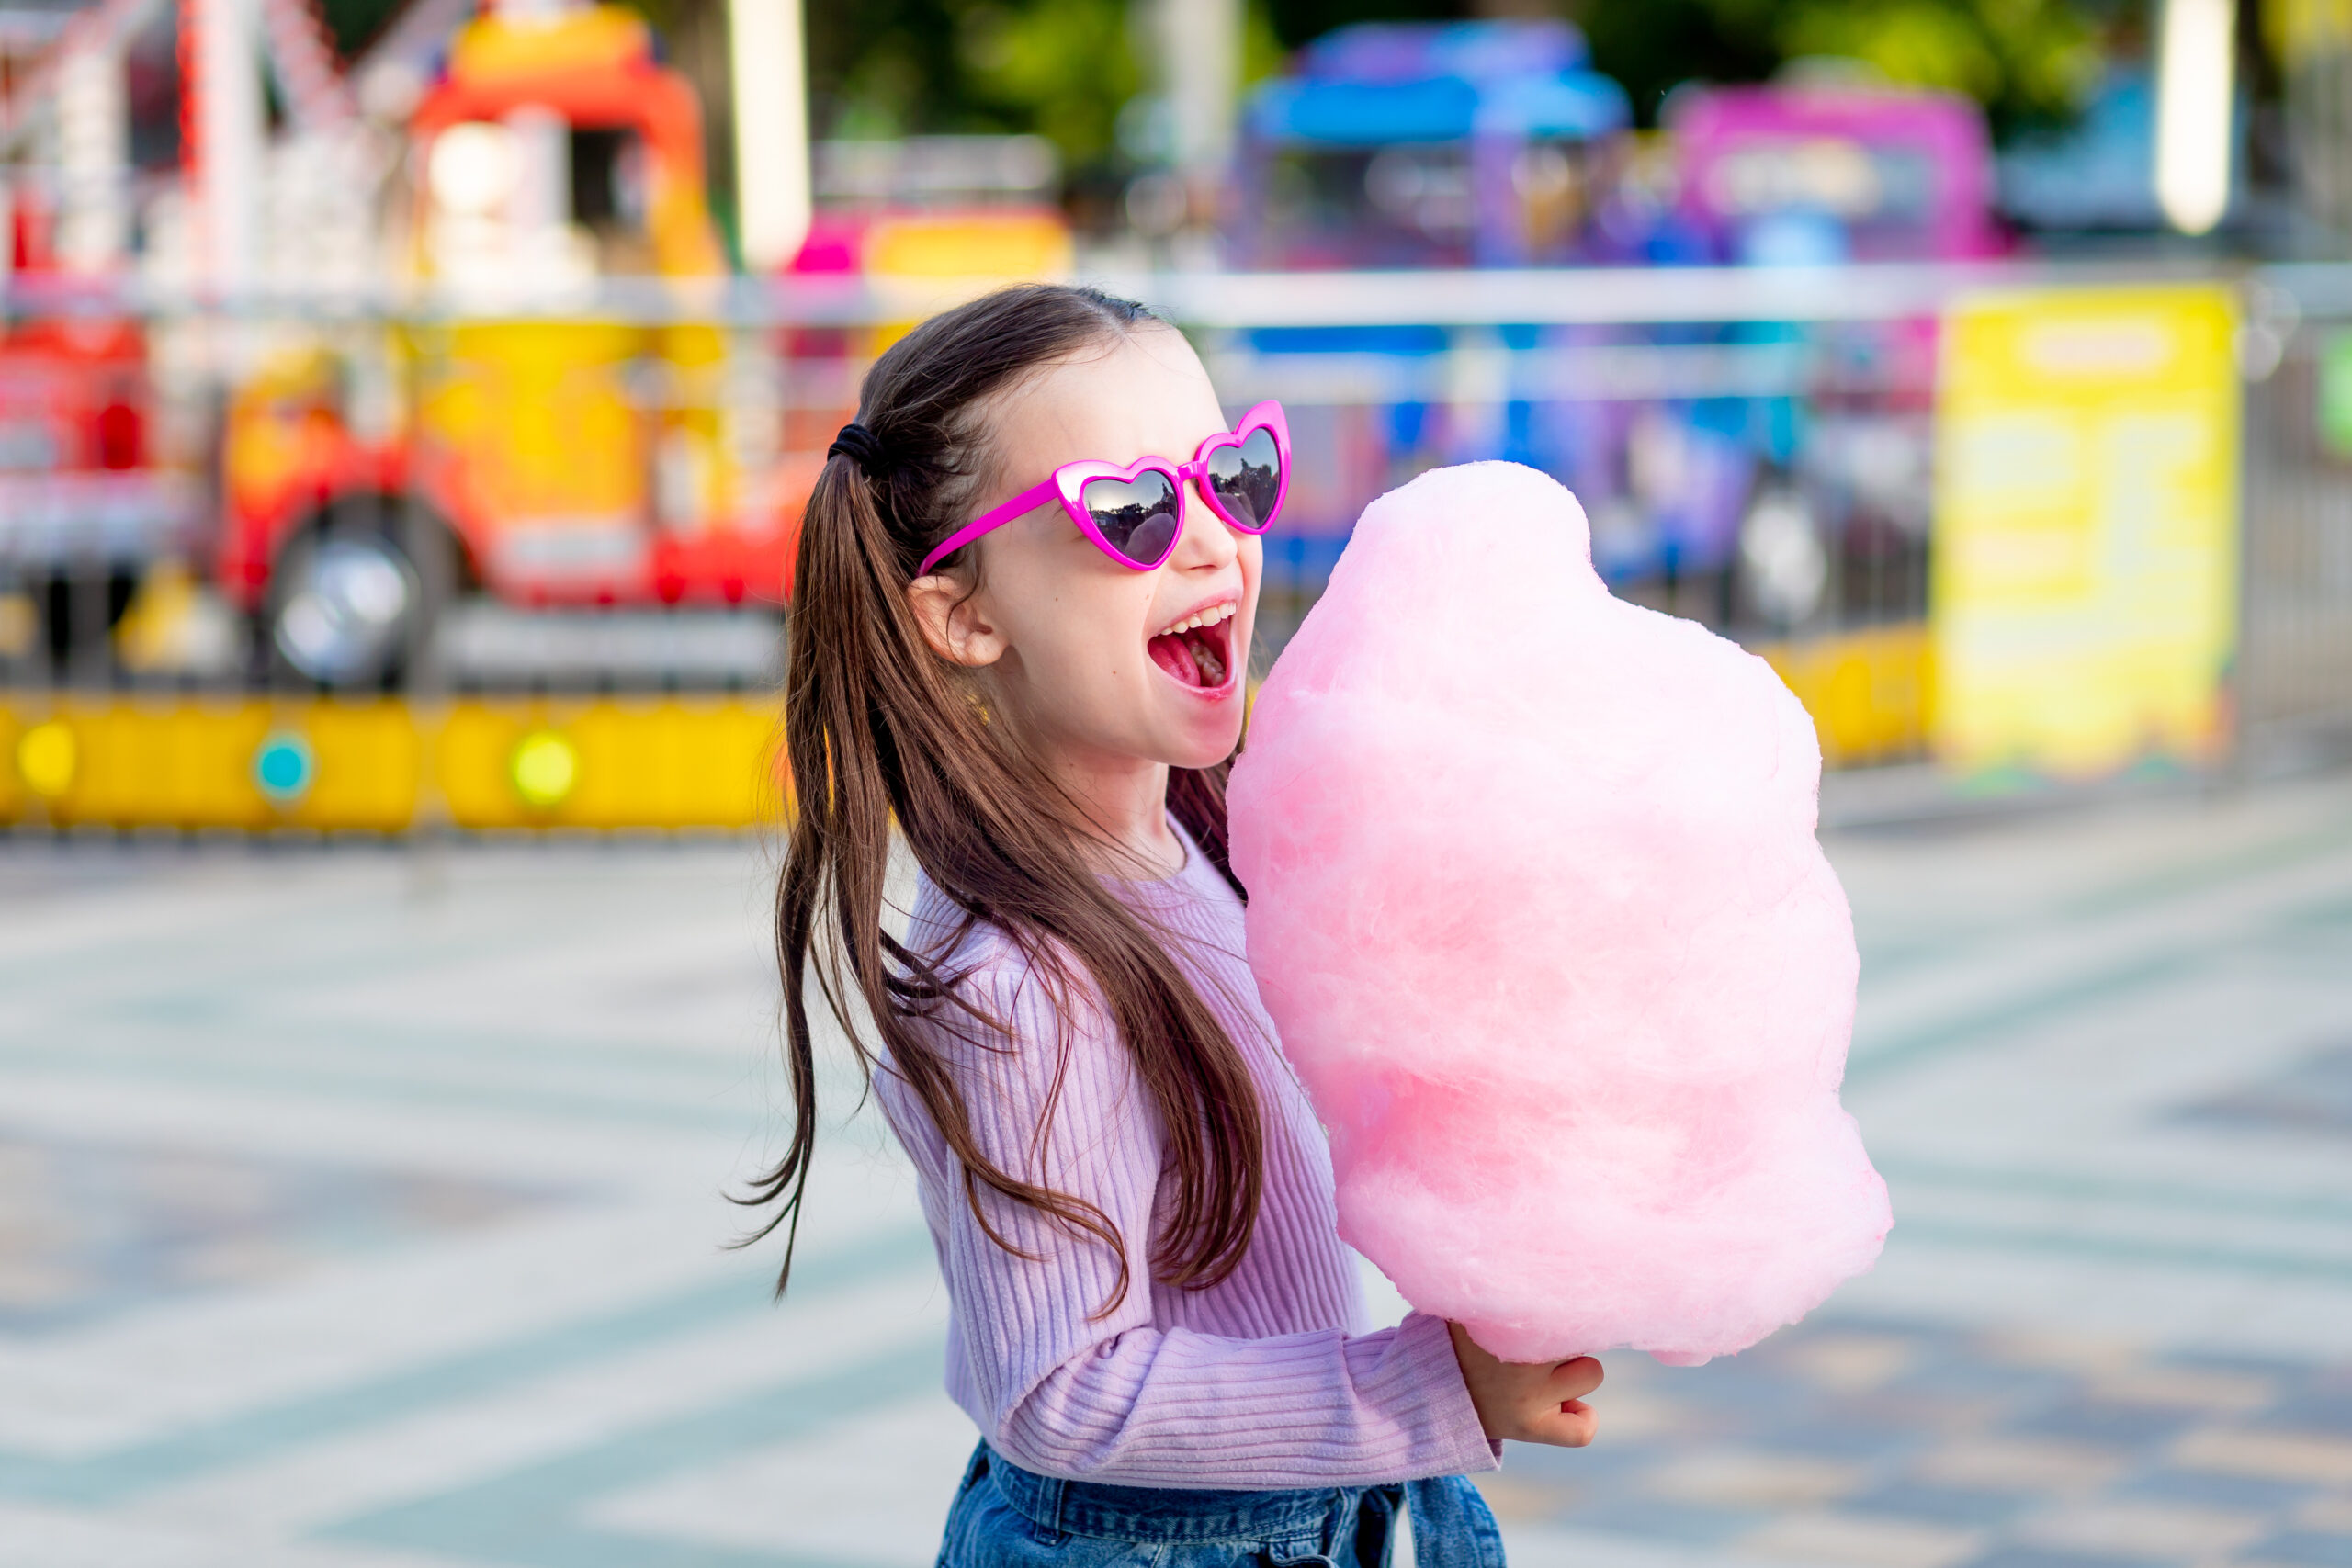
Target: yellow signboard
<point x="2083" y="591"/>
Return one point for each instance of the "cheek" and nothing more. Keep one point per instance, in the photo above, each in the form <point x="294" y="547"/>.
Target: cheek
<point x="1060" y="604"/>
<point x="1082" y="642"/>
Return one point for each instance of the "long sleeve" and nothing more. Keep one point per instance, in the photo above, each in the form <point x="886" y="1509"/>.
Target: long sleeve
<point x="1132" y="1395"/>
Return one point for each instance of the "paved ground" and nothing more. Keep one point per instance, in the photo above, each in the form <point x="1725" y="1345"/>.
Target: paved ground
<point x="358" y="1212"/>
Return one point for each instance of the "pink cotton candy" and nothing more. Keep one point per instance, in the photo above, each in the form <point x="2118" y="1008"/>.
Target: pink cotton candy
<point x="1536" y="904"/>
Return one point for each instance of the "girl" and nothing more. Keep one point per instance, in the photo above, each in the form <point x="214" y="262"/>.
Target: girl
<point x="1021" y="615"/>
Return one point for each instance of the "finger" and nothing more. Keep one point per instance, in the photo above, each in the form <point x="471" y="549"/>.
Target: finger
<point x="1574" y="1380"/>
<point x="1572" y="1425"/>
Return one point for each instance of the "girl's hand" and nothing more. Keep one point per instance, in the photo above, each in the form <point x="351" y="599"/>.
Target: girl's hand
<point x="1529" y="1404"/>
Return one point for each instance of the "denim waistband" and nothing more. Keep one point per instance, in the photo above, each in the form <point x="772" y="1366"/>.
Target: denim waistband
<point x="1161" y="1513"/>
<point x="1452" y="1528"/>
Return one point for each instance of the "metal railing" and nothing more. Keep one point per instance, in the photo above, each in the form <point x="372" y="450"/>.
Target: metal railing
<point x="2294" y="677"/>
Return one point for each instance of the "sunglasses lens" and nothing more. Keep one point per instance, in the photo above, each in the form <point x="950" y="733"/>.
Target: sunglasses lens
<point x="1247" y="478"/>
<point x="1136" y="517"/>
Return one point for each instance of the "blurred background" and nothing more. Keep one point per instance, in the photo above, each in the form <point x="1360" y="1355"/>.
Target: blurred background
<point x="405" y="412"/>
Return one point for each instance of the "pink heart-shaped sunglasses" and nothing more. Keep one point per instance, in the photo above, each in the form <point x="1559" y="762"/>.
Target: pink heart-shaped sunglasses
<point x="1136" y="514"/>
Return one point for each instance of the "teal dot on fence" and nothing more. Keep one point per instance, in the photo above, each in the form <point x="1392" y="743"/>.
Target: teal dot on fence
<point x="284" y="768"/>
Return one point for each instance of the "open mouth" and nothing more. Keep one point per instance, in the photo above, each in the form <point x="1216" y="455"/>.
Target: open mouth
<point x="1197" y="650"/>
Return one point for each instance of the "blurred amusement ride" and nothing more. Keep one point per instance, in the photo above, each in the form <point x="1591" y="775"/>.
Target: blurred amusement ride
<point x="423" y="442"/>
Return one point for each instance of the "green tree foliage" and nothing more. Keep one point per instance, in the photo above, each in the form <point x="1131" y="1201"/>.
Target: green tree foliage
<point x="1653" y="46"/>
<point x="1062" y="68"/>
<point x="1065" y="68"/>
<point x="1297" y="21"/>
<point x="2027" y="61"/>
<point x="886" y="68"/>
<point x="353" y="24"/>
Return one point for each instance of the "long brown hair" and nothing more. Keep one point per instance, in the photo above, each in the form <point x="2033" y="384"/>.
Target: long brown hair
<point x="879" y="728"/>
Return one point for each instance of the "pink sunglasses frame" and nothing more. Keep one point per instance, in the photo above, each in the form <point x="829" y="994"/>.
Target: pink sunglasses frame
<point x="1067" y="483"/>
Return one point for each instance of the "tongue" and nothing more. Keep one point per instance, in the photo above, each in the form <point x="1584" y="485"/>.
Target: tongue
<point x="1175" y="655"/>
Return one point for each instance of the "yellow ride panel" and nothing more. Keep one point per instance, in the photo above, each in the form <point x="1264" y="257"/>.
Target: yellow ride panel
<point x="1868" y="691"/>
<point x="676" y="762"/>
<point x="345" y="764"/>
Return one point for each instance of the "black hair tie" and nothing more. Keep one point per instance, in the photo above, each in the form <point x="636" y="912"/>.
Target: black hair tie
<point x="861" y="446"/>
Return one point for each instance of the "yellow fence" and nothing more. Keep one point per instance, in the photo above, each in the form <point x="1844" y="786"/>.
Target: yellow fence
<point x="387" y="765"/>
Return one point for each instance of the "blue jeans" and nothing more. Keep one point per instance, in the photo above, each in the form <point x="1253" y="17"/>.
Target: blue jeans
<point x="1005" y="1516"/>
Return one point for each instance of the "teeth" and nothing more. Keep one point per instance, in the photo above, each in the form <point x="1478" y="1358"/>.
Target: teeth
<point x="1208" y="617"/>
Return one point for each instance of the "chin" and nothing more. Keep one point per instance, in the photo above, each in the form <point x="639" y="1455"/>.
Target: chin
<point x="1204" y="743"/>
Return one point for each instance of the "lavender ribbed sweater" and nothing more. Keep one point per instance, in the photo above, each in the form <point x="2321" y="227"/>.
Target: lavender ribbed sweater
<point x="1260" y="1381"/>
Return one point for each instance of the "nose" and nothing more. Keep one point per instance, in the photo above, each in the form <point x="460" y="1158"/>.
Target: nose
<point x="1207" y="543"/>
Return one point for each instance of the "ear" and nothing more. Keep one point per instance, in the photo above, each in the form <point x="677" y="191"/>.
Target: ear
<point x="954" y="620"/>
